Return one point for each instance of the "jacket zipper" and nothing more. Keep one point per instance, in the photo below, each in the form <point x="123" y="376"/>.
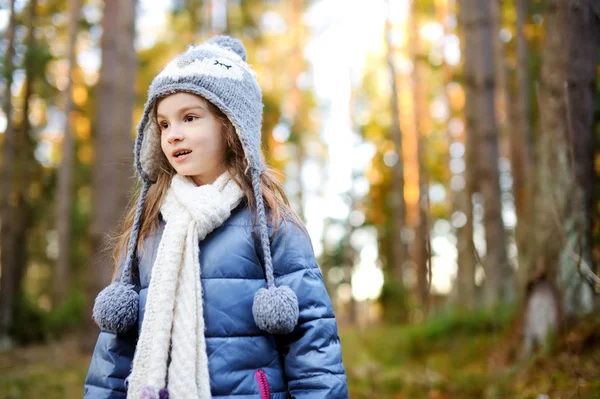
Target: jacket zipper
<point x="263" y="384"/>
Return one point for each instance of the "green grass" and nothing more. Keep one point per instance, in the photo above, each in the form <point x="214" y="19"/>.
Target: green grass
<point x="421" y="359"/>
<point x="51" y="371"/>
<point x="449" y="356"/>
<point x="446" y="357"/>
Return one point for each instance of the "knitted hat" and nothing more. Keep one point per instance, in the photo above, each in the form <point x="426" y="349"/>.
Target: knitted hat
<point x="217" y="71"/>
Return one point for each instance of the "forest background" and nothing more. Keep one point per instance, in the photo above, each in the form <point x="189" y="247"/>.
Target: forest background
<point x="443" y="154"/>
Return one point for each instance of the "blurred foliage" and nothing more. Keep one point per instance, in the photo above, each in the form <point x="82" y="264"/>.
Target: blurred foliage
<point x="446" y="356"/>
<point x="33" y="324"/>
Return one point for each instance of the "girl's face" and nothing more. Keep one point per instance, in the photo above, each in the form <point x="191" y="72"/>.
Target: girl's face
<point x="191" y="137"/>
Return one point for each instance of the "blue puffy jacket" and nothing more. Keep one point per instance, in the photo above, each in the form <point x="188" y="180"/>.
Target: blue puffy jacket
<point x="244" y="362"/>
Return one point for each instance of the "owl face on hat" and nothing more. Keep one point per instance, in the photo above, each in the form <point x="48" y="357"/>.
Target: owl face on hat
<point x="208" y="60"/>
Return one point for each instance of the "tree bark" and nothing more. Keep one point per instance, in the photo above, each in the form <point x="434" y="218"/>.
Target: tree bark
<point x="113" y="160"/>
<point x="463" y="293"/>
<point x="501" y="75"/>
<point x="584" y="48"/>
<point x="569" y="56"/>
<point x="400" y="254"/>
<point x="499" y="275"/>
<point x="466" y="244"/>
<point x="563" y="174"/>
<point x="520" y="147"/>
<point x="65" y="172"/>
<point x="515" y="125"/>
<point x="7" y="252"/>
<point x="421" y="249"/>
<point x="19" y="208"/>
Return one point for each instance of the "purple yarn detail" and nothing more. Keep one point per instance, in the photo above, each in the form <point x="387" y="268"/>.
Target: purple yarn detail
<point x="148" y="393"/>
<point x="163" y="393"/>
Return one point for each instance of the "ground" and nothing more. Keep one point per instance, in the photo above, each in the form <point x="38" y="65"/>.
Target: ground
<point x="449" y="357"/>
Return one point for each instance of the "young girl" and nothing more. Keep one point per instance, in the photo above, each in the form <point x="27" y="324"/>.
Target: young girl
<point x="217" y="291"/>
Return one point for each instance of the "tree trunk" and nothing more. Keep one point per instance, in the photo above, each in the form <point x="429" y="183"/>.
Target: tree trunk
<point x="18" y="210"/>
<point x="7" y="251"/>
<point x="399" y="205"/>
<point x="466" y="247"/>
<point x="520" y="147"/>
<point x="569" y="54"/>
<point x="27" y="162"/>
<point x="113" y="160"/>
<point x="8" y="139"/>
<point x="515" y="125"/>
<point x="499" y="276"/>
<point x="463" y="291"/>
<point x="65" y="172"/>
<point x="584" y="48"/>
<point x="564" y="174"/>
<point x="421" y="249"/>
<point x="500" y="69"/>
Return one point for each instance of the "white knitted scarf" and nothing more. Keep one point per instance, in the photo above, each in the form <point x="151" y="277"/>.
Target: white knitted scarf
<point x="173" y="321"/>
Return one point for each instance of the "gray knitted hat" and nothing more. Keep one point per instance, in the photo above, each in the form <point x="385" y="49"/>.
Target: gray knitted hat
<point x="217" y="71"/>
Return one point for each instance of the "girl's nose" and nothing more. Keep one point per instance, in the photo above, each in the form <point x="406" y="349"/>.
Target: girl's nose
<point x="175" y="135"/>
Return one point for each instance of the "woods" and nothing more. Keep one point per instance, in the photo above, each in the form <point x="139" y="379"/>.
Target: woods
<point x="443" y="154"/>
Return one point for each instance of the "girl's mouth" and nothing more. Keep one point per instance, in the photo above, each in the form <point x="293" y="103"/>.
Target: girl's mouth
<point x="181" y="155"/>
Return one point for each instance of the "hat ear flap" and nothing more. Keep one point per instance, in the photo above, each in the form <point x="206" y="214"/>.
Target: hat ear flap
<point x="151" y="151"/>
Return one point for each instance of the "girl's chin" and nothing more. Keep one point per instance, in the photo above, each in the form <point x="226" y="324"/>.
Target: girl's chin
<point x="187" y="172"/>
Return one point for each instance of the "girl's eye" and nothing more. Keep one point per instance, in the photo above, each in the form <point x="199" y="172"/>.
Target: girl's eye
<point x="163" y="125"/>
<point x="190" y="118"/>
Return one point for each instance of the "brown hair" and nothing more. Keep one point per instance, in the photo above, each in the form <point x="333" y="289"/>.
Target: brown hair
<point x="275" y="199"/>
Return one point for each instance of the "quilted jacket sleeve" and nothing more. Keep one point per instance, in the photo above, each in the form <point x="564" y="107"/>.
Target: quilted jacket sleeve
<point x="110" y="365"/>
<point x="312" y="353"/>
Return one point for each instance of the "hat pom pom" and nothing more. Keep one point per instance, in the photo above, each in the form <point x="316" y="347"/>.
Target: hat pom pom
<point x="230" y="43"/>
<point x="275" y="310"/>
<point x="116" y="308"/>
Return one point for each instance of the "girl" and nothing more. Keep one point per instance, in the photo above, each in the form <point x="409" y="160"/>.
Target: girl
<point x="217" y="290"/>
